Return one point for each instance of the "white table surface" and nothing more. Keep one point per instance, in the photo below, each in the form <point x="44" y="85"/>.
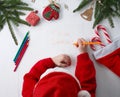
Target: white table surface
<point x="50" y="38"/>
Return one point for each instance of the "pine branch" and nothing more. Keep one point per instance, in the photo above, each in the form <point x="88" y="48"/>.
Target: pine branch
<point x="98" y="19"/>
<point x="21" y="21"/>
<point x="23" y="8"/>
<point x="23" y="3"/>
<point x="2" y="22"/>
<point x="10" y="12"/>
<point x="97" y="9"/>
<point x="110" y="21"/>
<point x="82" y="4"/>
<point x="12" y="32"/>
<point x="20" y="13"/>
<point x="14" y="22"/>
<point x="104" y="9"/>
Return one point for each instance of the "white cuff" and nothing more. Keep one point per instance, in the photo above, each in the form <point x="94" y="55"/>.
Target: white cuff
<point x="84" y="93"/>
<point x="108" y="49"/>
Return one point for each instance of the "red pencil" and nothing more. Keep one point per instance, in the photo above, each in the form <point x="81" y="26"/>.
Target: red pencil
<point x="21" y="55"/>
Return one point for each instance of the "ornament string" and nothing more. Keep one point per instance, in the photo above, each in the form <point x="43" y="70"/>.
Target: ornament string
<point x="54" y="2"/>
<point x="87" y="14"/>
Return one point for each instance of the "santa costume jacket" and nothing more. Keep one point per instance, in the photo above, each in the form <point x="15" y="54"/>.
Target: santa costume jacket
<point x="60" y="84"/>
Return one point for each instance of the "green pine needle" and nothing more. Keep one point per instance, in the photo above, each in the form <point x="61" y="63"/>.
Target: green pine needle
<point x="12" y="32"/>
<point x="21" y="21"/>
<point x="110" y="21"/>
<point x="23" y="8"/>
<point x="82" y="4"/>
<point x="2" y="21"/>
<point x="107" y="9"/>
<point x="10" y="12"/>
<point x="98" y="19"/>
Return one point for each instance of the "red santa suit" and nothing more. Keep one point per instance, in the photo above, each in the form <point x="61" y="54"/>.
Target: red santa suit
<point x="60" y="83"/>
<point x="109" y="56"/>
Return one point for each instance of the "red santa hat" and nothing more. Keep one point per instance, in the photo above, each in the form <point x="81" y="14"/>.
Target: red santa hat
<point x="109" y="56"/>
<point x="59" y="84"/>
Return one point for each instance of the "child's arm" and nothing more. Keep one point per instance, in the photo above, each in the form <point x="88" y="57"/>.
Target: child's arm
<point x="31" y="78"/>
<point x="85" y="72"/>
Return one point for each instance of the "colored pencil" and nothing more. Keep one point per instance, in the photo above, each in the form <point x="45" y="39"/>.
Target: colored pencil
<point x="22" y="52"/>
<point x="21" y="46"/>
<point x="86" y="43"/>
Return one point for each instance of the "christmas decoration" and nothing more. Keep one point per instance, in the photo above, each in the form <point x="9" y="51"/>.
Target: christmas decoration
<point x="32" y="18"/>
<point x="97" y="38"/>
<point x="104" y="9"/>
<point x="87" y="15"/>
<point x="33" y="0"/>
<point x="51" y="11"/>
<point x="10" y="12"/>
<point x="66" y="6"/>
<point x="109" y="56"/>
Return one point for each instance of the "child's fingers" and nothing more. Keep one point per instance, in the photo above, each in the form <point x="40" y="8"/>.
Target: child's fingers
<point x="62" y="60"/>
<point x="66" y="61"/>
<point x="81" y="42"/>
<point x="63" y="65"/>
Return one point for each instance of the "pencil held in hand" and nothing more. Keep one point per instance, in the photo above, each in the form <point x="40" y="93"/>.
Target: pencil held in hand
<point x="86" y="43"/>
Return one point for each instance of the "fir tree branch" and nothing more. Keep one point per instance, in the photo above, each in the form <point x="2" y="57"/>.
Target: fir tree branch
<point x="21" y="21"/>
<point x="97" y="9"/>
<point x="110" y="21"/>
<point x="2" y="22"/>
<point x="98" y="19"/>
<point x="82" y="4"/>
<point x="14" y="22"/>
<point x="23" y="8"/>
<point x="12" y="32"/>
<point x="18" y="21"/>
<point x="104" y="9"/>
<point x="22" y="3"/>
<point x="10" y="12"/>
<point x="20" y="13"/>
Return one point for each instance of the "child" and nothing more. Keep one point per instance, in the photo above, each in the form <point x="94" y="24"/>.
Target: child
<point x="47" y="79"/>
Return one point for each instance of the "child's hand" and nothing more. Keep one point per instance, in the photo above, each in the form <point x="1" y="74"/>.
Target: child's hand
<point x="82" y="47"/>
<point x="62" y="60"/>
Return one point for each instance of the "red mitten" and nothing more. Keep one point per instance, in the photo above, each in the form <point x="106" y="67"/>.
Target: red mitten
<point x="32" y="18"/>
<point x="51" y="11"/>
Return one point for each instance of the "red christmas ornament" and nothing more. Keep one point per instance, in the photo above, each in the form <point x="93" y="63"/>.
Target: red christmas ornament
<point x="51" y="12"/>
<point x="32" y="18"/>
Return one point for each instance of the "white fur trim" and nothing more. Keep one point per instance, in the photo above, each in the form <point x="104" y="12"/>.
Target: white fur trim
<point x="84" y="93"/>
<point x="59" y="69"/>
<point x="107" y="49"/>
